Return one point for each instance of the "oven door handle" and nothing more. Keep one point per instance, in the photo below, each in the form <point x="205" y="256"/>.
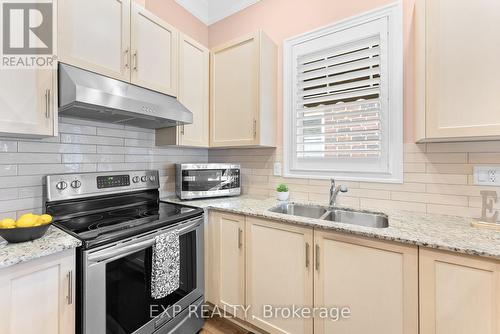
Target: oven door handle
<point x="120" y="251"/>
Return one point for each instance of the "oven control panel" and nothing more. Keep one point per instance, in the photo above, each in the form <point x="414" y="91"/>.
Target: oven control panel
<point x="113" y="181"/>
<point x="68" y="186"/>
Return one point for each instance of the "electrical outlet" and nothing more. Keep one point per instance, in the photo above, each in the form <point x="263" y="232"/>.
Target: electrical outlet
<point x="277" y="169"/>
<point x="487" y="175"/>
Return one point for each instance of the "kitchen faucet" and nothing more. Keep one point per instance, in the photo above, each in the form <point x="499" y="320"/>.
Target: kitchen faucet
<point x="334" y="192"/>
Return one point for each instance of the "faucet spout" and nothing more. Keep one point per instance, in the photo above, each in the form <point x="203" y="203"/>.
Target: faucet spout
<point x="334" y="192"/>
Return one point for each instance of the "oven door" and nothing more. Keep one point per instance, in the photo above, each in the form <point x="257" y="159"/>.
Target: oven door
<point x="117" y="283"/>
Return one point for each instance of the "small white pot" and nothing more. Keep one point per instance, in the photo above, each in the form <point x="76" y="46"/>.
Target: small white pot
<point x="283" y="196"/>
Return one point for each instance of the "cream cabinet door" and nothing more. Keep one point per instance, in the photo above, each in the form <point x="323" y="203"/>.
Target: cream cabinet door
<point x="235" y="93"/>
<point x="37" y="297"/>
<point x="226" y="266"/>
<point x="95" y="35"/>
<point x="28" y="103"/>
<point x="458" y="294"/>
<point x="154" y="52"/>
<point x="193" y="91"/>
<point x="377" y="280"/>
<point x="279" y="273"/>
<point x="456" y="57"/>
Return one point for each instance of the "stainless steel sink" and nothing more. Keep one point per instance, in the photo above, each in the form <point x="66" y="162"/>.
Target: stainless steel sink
<point x="357" y="218"/>
<point x="345" y="216"/>
<point x="310" y="211"/>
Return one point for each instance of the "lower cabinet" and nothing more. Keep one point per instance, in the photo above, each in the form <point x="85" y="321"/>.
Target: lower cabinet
<point x="226" y="262"/>
<point x="376" y="280"/>
<point x="37" y="297"/>
<point x="386" y="287"/>
<point x="279" y="273"/>
<point x="458" y="294"/>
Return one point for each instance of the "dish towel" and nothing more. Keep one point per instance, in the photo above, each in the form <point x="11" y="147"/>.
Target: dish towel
<point x="166" y="265"/>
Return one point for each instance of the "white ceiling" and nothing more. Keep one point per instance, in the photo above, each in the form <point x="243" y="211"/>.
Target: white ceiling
<point x="211" y="11"/>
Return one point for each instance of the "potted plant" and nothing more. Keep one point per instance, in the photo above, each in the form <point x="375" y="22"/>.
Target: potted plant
<point x="282" y="192"/>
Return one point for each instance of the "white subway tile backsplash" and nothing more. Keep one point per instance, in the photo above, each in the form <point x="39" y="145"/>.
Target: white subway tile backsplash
<point x="95" y="140"/>
<point x="8" y="170"/>
<point x="29" y="158"/>
<point x="77" y="129"/>
<point x="42" y="147"/>
<point x="91" y="158"/>
<point x="45" y="169"/>
<point x="20" y="181"/>
<point x="8" y="146"/>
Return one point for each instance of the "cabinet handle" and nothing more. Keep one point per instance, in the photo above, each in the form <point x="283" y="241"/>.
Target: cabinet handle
<point x="182" y="129"/>
<point x="47" y="103"/>
<point x="307" y="255"/>
<point x="69" y="275"/>
<point x="135" y="60"/>
<point x="254" y="128"/>
<point x="240" y="238"/>
<point x="317" y="257"/>
<point x="126" y="58"/>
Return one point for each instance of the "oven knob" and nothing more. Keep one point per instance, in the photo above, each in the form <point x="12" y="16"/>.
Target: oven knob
<point x="61" y="185"/>
<point x="76" y="184"/>
<point x="152" y="178"/>
<point x="144" y="179"/>
<point x="135" y="179"/>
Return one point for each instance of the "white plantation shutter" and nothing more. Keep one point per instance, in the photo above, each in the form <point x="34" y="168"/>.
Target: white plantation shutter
<point x="338" y="95"/>
<point x="343" y="100"/>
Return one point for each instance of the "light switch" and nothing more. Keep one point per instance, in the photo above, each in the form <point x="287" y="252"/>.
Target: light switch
<point x="277" y="169"/>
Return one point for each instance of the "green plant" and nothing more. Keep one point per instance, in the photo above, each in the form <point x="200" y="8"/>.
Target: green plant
<point x="282" y="188"/>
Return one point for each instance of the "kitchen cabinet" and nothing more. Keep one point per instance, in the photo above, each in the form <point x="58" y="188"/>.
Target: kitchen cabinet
<point x="458" y="294"/>
<point x="456" y="84"/>
<point x="154" y="46"/>
<point x="193" y="93"/>
<point x="119" y="39"/>
<point x="279" y="272"/>
<point x="37" y="297"/>
<point x="95" y="35"/>
<point x="243" y="92"/>
<point x="28" y="106"/>
<point x="226" y="263"/>
<point x="377" y="280"/>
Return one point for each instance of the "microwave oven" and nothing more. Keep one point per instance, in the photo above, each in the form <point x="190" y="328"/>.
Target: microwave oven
<point x="207" y="180"/>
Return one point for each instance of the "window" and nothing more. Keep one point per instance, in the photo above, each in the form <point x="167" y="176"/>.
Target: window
<point x="343" y="99"/>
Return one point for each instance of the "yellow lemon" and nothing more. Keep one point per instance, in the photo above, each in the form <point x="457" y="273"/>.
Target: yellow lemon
<point x="7" y="223"/>
<point x="27" y="220"/>
<point x="44" y="219"/>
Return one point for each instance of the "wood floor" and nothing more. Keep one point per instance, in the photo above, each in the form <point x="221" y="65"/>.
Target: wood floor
<point x="221" y="326"/>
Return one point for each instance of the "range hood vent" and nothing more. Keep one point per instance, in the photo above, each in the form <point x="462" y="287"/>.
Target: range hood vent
<point x="87" y="95"/>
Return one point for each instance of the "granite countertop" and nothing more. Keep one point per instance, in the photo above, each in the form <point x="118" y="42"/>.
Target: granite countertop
<point x="52" y="242"/>
<point x="429" y="230"/>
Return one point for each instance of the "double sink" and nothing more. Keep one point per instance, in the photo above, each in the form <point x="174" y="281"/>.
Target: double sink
<point x="345" y="216"/>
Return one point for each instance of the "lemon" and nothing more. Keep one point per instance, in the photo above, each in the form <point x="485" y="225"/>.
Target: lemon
<point x="7" y="223"/>
<point x="27" y="220"/>
<point x="44" y="219"/>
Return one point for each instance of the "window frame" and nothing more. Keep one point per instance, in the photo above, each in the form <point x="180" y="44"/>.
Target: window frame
<point x="393" y="13"/>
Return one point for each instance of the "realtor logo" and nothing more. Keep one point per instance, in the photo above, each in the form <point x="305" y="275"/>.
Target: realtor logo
<point x="27" y="34"/>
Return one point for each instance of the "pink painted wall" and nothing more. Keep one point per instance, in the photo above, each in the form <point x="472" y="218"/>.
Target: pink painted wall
<point x="281" y="19"/>
<point x="180" y="18"/>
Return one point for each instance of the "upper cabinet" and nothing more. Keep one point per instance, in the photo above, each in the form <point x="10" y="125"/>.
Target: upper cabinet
<point x="154" y="46"/>
<point x="121" y="40"/>
<point x="243" y="92"/>
<point x="456" y="84"/>
<point x="193" y="93"/>
<point x="95" y="35"/>
<point x="28" y="102"/>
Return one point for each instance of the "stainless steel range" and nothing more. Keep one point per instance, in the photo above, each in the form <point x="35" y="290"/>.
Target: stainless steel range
<point x="117" y="217"/>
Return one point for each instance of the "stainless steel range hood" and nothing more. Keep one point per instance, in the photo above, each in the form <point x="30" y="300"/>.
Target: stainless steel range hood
<point x="87" y="95"/>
